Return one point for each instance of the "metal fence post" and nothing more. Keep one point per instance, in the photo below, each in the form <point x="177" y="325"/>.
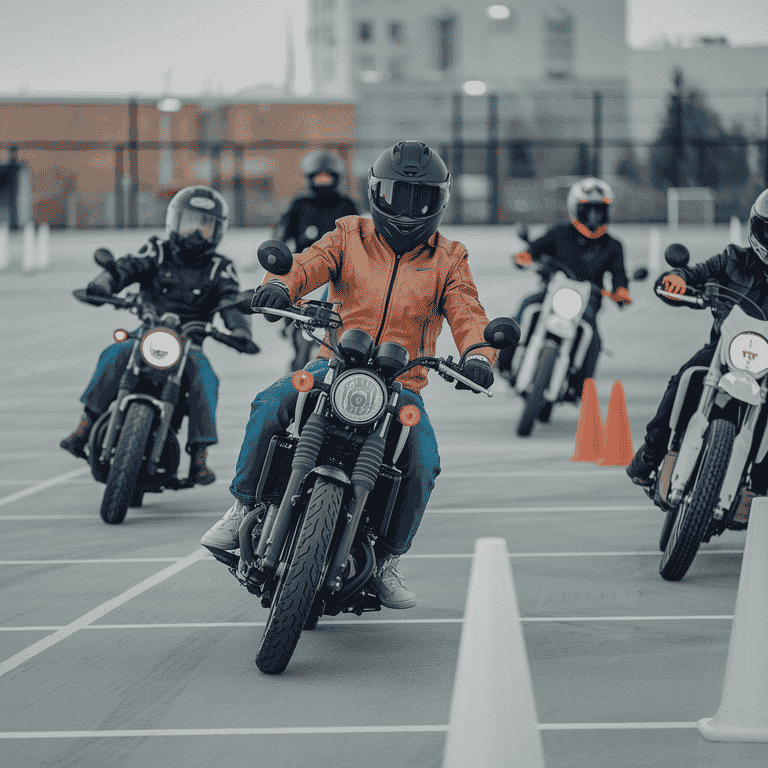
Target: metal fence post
<point x="133" y="162"/>
<point x="457" y="154"/>
<point x="597" y="131"/>
<point x="492" y="158"/>
<point x="119" y="199"/>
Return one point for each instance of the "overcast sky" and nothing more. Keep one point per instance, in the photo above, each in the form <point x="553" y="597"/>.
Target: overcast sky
<point x="128" y="46"/>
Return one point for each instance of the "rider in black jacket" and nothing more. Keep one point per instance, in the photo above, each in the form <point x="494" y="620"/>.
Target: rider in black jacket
<point x="184" y="275"/>
<point x="587" y="248"/>
<point x="744" y="270"/>
<point x="309" y="217"/>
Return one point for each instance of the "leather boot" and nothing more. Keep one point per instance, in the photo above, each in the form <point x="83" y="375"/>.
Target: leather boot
<point x="76" y="442"/>
<point x="199" y="471"/>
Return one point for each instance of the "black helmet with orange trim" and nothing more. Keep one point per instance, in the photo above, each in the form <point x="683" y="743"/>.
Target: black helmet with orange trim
<point x="196" y="220"/>
<point x="588" y="203"/>
<point x="758" y="226"/>
<point x="409" y="187"/>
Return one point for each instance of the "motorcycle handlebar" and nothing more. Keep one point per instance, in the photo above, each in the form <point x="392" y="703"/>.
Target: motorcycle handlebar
<point x="696" y="300"/>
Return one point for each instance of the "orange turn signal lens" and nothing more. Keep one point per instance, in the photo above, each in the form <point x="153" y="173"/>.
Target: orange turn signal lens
<point x="120" y="335"/>
<point x="409" y="416"/>
<point x="303" y="381"/>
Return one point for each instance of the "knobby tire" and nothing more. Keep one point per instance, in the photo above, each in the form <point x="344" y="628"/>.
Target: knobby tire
<point x="535" y="401"/>
<point x="126" y="463"/>
<point x="694" y="516"/>
<point x="295" y="595"/>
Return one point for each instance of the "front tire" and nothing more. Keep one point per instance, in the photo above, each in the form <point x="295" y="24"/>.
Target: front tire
<point x="295" y="594"/>
<point x="695" y="510"/>
<point x="126" y="463"/>
<point x="535" y="401"/>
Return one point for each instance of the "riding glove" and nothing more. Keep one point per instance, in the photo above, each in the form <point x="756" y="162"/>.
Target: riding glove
<point x="621" y="296"/>
<point x="102" y="285"/>
<point x="478" y="370"/>
<point x="273" y="295"/>
<point x="672" y="283"/>
<point x="524" y="259"/>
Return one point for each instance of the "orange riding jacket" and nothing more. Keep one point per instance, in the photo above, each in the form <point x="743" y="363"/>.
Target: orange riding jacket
<point x="402" y="299"/>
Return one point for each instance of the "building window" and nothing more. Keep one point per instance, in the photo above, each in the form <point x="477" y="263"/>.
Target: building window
<point x="365" y="32"/>
<point x="558" y="32"/>
<point x="446" y="42"/>
<point x="396" y="73"/>
<point x="396" y="32"/>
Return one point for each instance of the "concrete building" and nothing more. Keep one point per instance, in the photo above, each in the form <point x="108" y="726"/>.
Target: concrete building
<point x="426" y="70"/>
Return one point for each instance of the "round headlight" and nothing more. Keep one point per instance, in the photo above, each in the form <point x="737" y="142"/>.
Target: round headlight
<point x="358" y="397"/>
<point x="161" y="348"/>
<point x="567" y="303"/>
<point x="749" y="352"/>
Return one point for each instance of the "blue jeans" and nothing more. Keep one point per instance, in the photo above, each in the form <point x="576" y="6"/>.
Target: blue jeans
<point x="272" y="410"/>
<point x="199" y="377"/>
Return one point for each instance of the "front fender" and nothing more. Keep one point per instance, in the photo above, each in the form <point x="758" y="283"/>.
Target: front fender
<point x="334" y="474"/>
<point x="741" y="386"/>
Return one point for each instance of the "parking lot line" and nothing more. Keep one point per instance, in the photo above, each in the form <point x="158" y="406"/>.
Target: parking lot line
<point x="365" y="622"/>
<point x="22" y="656"/>
<point x="140" y="733"/>
<point x="42" y="486"/>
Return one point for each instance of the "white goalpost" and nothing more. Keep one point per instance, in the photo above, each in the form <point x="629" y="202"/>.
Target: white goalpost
<point x="690" y="205"/>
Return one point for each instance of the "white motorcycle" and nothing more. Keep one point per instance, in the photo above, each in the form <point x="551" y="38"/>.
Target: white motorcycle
<point x="711" y="471"/>
<point x="555" y="339"/>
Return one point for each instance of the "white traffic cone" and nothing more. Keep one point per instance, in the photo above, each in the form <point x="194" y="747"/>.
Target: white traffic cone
<point x="5" y="246"/>
<point x="734" y="231"/>
<point x="493" y="713"/>
<point x="43" y="246"/>
<point x="743" y="712"/>
<point x="28" y="255"/>
<point x="654" y="251"/>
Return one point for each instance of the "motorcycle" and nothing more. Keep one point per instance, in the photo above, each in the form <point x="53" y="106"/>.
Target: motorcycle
<point x="711" y="471"/>
<point x="133" y="447"/>
<point x="329" y="482"/>
<point x="555" y="340"/>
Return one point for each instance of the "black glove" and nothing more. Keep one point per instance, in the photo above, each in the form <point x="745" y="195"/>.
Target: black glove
<point x="478" y="370"/>
<point x="273" y="295"/>
<point x="102" y="285"/>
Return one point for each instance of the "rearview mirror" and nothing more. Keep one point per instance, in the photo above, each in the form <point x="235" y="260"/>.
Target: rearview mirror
<point x="640" y="274"/>
<point x="106" y="260"/>
<point x="275" y="256"/>
<point x="501" y="333"/>
<point x="677" y="255"/>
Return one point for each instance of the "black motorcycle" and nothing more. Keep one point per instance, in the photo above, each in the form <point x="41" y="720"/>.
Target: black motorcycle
<point x="133" y="446"/>
<point x="329" y="482"/>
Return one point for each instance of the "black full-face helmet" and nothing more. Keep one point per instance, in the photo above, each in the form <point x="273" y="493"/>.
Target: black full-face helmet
<point x="758" y="226"/>
<point x="408" y="190"/>
<point x="588" y="202"/>
<point x="323" y="170"/>
<point x="196" y="220"/>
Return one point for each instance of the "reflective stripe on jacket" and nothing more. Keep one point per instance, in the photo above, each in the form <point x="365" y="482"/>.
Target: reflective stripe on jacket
<point x="402" y="299"/>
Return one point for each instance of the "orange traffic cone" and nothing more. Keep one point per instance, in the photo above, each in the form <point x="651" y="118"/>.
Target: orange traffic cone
<point x="589" y="430"/>
<point x="618" y="450"/>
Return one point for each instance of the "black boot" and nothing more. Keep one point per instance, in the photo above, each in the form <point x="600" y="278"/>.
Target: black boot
<point x="642" y="466"/>
<point x="199" y="472"/>
<point x="76" y="442"/>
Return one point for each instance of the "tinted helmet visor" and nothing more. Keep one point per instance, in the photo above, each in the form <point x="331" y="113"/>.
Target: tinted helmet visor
<point x="189" y="222"/>
<point x="409" y="199"/>
<point x="592" y="215"/>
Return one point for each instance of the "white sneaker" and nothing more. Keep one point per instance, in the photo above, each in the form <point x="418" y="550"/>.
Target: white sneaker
<point x="392" y="590"/>
<point x="224" y="535"/>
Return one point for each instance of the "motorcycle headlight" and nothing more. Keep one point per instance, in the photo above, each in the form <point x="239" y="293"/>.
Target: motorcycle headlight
<point x="749" y="352"/>
<point x="358" y="397"/>
<point x="161" y="348"/>
<point x="567" y="303"/>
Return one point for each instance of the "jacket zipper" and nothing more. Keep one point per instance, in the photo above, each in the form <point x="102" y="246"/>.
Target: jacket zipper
<point x="389" y="293"/>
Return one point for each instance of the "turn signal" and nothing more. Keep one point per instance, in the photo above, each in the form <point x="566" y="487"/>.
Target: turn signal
<point x="303" y="381"/>
<point x="409" y="416"/>
<point x="120" y="335"/>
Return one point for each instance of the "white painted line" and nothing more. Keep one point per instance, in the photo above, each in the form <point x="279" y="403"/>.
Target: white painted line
<point x="33" y="518"/>
<point x="116" y="560"/>
<point x="23" y="656"/>
<point x="141" y="733"/>
<point x="611" y="726"/>
<point x="629" y="618"/>
<point x="607" y="472"/>
<point x="541" y="510"/>
<point x="17" y="482"/>
<point x="42" y="486"/>
<point x="363" y="622"/>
